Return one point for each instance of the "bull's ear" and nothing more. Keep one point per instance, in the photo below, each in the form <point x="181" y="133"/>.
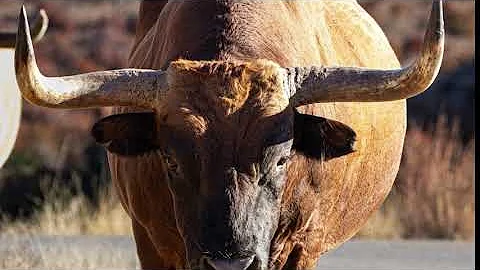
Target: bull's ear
<point x="321" y="138"/>
<point x="127" y="134"/>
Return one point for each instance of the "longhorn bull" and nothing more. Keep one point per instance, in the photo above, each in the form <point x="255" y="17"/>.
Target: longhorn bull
<point x="249" y="134"/>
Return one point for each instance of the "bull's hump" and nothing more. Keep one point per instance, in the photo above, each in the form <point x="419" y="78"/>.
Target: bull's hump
<point x="290" y="33"/>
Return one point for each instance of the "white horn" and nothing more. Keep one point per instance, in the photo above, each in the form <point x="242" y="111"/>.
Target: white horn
<point x="124" y="87"/>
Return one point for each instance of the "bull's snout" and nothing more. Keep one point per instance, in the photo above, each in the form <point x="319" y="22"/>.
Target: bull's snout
<point x="245" y="263"/>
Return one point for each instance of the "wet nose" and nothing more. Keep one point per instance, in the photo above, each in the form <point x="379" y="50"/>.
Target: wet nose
<point x="229" y="264"/>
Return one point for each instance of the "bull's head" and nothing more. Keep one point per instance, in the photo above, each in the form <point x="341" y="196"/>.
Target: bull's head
<point x="225" y="132"/>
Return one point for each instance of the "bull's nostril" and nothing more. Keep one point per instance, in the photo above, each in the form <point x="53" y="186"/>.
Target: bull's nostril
<point x="230" y="264"/>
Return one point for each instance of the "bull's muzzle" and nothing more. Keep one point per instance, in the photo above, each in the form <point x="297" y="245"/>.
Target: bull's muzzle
<point x="229" y="264"/>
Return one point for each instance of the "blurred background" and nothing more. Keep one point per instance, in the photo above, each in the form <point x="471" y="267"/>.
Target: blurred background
<point x="57" y="182"/>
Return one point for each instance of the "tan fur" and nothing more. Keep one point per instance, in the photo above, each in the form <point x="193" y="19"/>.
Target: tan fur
<point x="325" y="203"/>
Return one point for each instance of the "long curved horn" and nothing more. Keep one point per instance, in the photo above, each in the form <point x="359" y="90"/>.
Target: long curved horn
<point x="330" y="84"/>
<point x="40" y="25"/>
<point x="124" y="87"/>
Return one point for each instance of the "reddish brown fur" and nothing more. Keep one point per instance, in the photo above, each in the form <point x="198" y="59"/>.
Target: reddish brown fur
<point x="325" y="203"/>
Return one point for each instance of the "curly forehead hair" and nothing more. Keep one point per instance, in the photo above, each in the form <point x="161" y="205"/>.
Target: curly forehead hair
<point x="229" y="85"/>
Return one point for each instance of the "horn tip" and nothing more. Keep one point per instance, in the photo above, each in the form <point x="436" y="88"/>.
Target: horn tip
<point x="23" y="22"/>
<point x="434" y="43"/>
<point x="436" y="20"/>
<point x="43" y="17"/>
<point x="23" y="13"/>
<point x="23" y="45"/>
<point x="40" y="26"/>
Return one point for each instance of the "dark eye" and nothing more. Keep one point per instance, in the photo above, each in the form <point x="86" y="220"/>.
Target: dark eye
<point x="171" y="163"/>
<point x="282" y="161"/>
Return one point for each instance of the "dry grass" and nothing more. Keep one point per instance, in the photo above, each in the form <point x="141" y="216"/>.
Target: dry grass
<point x="433" y="196"/>
<point x="64" y="214"/>
<point x="384" y="223"/>
<point x="29" y="244"/>
<point x="24" y="245"/>
<point x="436" y="185"/>
<point x="36" y="252"/>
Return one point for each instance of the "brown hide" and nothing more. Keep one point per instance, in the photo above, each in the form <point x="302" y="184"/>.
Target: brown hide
<point x="325" y="203"/>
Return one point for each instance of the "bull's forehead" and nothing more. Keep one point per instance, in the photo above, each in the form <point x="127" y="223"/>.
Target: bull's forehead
<point x="229" y="94"/>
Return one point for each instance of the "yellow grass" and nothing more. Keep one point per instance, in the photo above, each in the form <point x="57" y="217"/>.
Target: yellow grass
<point x="34" y="252"/>
<point x="433" y="195"/>
<point x="63" y="214"/>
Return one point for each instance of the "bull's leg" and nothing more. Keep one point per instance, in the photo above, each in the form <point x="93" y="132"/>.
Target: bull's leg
<point x="149" y="256"/>
<point x="302" y="248"/>
<point x="300" y="258"/>
<point x="306" y="252"/>
<point x="295" y="255"/>
<point x="294" y="258"/>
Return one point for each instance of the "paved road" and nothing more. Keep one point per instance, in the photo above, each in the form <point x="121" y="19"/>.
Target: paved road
<point x="401" y="255"/>
<point x="119" y="253"/>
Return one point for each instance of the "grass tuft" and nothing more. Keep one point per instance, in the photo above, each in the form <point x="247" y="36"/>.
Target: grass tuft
<point x="65" y="214"/>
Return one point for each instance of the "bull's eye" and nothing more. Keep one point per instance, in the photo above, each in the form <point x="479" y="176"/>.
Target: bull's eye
<point x="172" y="165"/>
<point x="283" y="160"/>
